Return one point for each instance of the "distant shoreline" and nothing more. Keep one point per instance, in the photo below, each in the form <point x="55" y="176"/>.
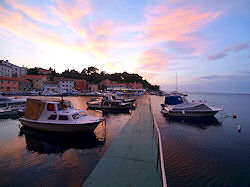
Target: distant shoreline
<point x="193" y="92"/>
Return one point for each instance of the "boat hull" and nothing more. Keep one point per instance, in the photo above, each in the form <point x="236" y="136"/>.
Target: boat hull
<point x="109" y="107"/>
<point x="60" y="127"/>
<point x="190" y="114"/>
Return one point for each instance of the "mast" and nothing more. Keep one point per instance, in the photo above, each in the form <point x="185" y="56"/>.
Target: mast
<point x="176" y="84"/>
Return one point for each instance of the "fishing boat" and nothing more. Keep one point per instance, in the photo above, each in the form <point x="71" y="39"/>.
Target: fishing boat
<point x="57" y="115"/>
<point x="109" y="103"/>
<point x="178" y="106"/>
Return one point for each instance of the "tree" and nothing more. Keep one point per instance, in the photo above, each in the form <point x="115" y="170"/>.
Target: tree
<point x="92" y="70"/>
<point x="33" y="71"/>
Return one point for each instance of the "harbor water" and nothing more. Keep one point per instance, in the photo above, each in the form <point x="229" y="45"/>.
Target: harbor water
<point x="213" y="153"/>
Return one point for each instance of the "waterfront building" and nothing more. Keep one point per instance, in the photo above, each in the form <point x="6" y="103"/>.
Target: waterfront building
<point x="80" y="85"/>
<point x="24" y="85"/>
<point x="15" y="71"/>
<point x="65" y="85"/>
<point x="42" y="71"/>
<point x="135" y="85"/>
<point x="116" y="86"/>
<point x="112" y="85"/>
<point x="51" y="86"/>
<point x="36" y="80"/>
<point x="92" y="87"/>
<point x="5" y="70"/>
<point x="8" y="84"/>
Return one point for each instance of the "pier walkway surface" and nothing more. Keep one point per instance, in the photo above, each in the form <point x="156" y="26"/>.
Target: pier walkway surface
<point x="131" y="160"/>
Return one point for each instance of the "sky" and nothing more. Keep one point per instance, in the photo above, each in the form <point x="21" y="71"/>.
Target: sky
<point x="205" y="43"/>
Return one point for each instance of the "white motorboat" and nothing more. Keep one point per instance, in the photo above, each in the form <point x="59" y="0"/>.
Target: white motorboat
<point x="6" y="101"/>
<point x="52" y="114"/>
<point x="109" y="103"/>
<point x="49" y="93"/>
<point x="115" y="97"/>
<point x="94" y="94"/>
<point x="10" y="111"/>
<point x="178" y="106"/>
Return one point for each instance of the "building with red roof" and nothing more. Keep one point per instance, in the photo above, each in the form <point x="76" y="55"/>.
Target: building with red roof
<point x="36" y="80"/>
<point x="8" y="84"/>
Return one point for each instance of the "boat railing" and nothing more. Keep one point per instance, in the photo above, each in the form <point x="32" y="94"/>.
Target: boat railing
<point x="159" y="150"/>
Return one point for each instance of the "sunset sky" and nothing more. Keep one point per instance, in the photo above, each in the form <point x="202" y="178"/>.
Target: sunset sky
<point x="207" y="43"/>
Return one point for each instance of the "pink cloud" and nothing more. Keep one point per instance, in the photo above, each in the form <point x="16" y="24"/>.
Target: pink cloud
<point x="15" y="23"/>
<point x="219" y="55"/>
<point x="176" y="24"/>
<point x="72" y="12"/>
<point x="105" y="28"/>
<point x="154" y="60"/>
<point x="35" y="13"/>
<point x="242" y="46"/>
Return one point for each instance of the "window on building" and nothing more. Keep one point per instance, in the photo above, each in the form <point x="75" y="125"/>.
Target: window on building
<point x="63" y="118"/>
<point x="52" y="117"/>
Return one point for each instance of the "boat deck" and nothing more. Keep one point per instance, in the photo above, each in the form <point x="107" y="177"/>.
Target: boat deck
<point x="131" y="160"/>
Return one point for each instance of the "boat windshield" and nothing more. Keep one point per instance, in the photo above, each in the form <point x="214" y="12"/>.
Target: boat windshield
<point x="83" y="113"/>
<point x="64" y="105"/>
<point x="76" y="116"/>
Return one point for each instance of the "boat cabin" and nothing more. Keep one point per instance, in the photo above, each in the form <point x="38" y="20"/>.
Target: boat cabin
<point x="62" y="110"/>
<point x="173" y="100"/>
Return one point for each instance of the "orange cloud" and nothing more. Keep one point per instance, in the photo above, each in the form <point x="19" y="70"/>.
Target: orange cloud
<point x="177" y="24"/>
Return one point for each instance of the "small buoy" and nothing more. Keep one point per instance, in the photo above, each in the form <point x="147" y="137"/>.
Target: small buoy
<point x="193" y="101"/>
<point x="234" y="116"/>
<point x="239" y="128"/>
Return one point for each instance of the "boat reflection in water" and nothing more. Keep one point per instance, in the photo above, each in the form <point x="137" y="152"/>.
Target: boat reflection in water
<point x="53" y="142"/>
<point x="200" y="123"/>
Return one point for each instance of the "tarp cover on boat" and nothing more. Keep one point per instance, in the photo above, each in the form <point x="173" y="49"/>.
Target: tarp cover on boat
<point x="191" y="106"/>
<point x="34" y="109"/>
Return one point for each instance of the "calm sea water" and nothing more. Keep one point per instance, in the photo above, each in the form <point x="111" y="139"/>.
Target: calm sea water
<point x="33" y="158"/>
<point x="196" y="153"/>
<point x="208" y="153"/>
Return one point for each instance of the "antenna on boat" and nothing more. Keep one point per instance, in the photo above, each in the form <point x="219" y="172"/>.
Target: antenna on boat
<point x="176" y="83"/>
<point x="62" y="97"/>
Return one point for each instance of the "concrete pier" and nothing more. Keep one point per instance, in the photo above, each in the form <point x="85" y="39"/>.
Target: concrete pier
<point x="131" y="160"/>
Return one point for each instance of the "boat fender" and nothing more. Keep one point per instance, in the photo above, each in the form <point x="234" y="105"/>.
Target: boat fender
<point x="183" y="112"/>
<point x="234" y="116"/>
